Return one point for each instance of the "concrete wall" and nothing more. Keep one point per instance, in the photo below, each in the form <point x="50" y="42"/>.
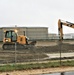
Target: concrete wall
<point x="37" y="33"/>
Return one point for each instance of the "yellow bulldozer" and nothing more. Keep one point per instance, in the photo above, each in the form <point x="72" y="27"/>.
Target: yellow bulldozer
<point x="12" y="39"/>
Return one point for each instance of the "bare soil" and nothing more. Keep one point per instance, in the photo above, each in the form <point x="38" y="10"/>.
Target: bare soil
<point x="36" y="53"/>
<point x="40" y="49"/>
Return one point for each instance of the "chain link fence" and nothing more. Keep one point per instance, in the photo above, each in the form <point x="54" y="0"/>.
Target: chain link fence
<point x="48" y="51"/>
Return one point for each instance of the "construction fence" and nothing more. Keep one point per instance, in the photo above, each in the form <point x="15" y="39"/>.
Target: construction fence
<point x="50" y="51"/>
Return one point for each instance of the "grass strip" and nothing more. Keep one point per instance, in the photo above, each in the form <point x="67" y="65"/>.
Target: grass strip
<point x="13" y="67"/>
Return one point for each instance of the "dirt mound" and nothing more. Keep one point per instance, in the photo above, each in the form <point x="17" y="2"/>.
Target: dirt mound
<point x="63" y="47"/>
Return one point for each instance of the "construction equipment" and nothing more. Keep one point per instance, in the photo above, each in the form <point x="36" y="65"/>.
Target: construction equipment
<point x="60" y="27"/>
<point x="12" y="39"/>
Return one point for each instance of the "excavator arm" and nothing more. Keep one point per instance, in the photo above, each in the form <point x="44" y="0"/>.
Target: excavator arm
<point x="60" y="27"/>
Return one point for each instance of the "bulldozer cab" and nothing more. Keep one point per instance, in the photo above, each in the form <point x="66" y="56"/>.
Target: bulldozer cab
<point x="12" y="35"/>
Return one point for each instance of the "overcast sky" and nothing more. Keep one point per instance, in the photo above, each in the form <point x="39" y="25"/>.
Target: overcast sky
<point x="37" y="13"/>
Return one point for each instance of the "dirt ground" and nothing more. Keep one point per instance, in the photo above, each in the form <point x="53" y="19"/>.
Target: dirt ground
<point x="39" y="52"/>
<point x="39" y="71"/>
<point x="44" y="47"/>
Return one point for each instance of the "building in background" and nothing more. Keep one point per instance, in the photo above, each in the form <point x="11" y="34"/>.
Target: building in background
<point x="65" y="36"/>
<point x="33" y="33"/>
<point x="53" y="36"/>
<point x="69" y="36"/>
